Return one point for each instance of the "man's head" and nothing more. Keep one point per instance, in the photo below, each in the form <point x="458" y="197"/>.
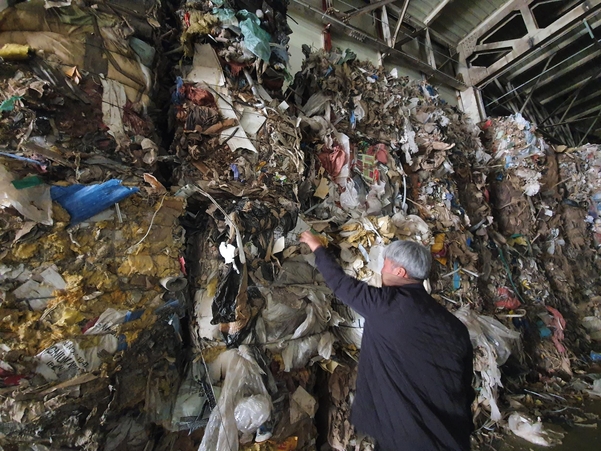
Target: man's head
<point x="405" y="260"/>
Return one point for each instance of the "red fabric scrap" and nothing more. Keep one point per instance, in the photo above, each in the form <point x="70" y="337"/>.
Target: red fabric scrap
<point x="507" y="299"/>
<point x="327" y="38"/>
<point x="11" y="381"/>
<point x="334" y="160"/>
<point x="380" y="151"/>
<point x="558" y="325"/>
<point x="182" y="263"/>
<point x="486" y="124"/>
<point x="236" y="68"/>
<point x="199" y="96"/>
<point x="89" y="325"/>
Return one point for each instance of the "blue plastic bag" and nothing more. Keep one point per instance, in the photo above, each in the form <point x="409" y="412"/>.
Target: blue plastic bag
<point x="82" y="202"/>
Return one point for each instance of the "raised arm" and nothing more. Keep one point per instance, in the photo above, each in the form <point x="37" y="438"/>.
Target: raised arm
<point x="363" y="298"/>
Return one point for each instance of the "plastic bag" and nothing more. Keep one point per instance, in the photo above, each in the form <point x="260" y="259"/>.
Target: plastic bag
<point x="256" y="39"/>
<point x="349" y="199"/>
<point x="252" y="412"/>
<point x="374" y="205"/>
<point x="501" y="338"/>
<point x="326" y="345"/>
<point x="524" y="427"/>
<point x="191" y="409"/>
<point x="298" y="352"/>
<point x="65" y="359"/>
<point x="243" y="378"/>
<point x="492" y="343"/>
<point x="280" y="319"/>
<point x="299" y="344"/>
<point x="83" y="202"/>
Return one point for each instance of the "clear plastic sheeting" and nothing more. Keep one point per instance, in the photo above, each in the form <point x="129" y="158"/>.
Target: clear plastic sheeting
<point x="243" y="379"/>
<point x="493" y="343"/>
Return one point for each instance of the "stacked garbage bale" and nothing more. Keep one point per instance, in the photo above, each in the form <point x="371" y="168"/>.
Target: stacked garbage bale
<point x="90" y="341"/>
<point x="549" y="250"/>
<point x="110" y="238"/>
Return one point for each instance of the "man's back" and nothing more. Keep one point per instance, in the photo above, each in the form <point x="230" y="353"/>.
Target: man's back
<point x="415" y="371"/>
<point x="414" y="386"/>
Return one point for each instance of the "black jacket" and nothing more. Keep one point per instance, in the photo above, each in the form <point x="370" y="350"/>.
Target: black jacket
<point x="414" y="387"/>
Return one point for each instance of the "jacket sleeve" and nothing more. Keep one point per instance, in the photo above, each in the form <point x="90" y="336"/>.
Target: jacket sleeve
<point x="363" y="298"/>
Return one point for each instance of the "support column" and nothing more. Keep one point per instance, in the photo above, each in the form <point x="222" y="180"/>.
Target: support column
<point x="472" y="105"/>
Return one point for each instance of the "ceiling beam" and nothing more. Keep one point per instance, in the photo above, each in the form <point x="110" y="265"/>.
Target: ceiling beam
<point x="584" y="113"/>
<point x="492" y="21"/>
<point x="385" y="24"/>
<point x="430" y="50"/>
<point x="495" y="46"/>
<point x="367" y="9"/>
<point x="580" y="101"/>
<point x="543" y="55"/>
<point x="529" y="19"/>
<point x="401" y="17"/>
<point x="379" y="45"/>
<point x="552" y="76"/>
<point x="419" y="27"/>
<point x="436" y="12"/>
<point x="573" y="87"/>
<point x="532" y="42"/>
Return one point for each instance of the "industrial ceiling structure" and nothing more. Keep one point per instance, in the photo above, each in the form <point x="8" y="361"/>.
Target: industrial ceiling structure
<point x="537" y="57"/>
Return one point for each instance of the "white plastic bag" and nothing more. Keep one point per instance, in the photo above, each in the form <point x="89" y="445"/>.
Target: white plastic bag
<point x="243" y="378"/>
<point x="492" y="343"/>
<point x="532" y="431"/>
<point x="252" y="412"/>
<point x="349" y="199"/>
<point x="500" y="337"/>
<point x="326" y="345"/>
<point x="107" y="321"/>
<point x="297" y="353"/>
<point x="66" y="359"/>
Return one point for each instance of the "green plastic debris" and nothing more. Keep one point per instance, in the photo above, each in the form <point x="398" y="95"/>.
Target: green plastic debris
<point x="347" y="56"/>
<point x="27" y="182"/>
<point x="226" y="16"/>
<point x="9" y="104"/>
<point x="255" y="38"/>
<point x="143" y="50"/>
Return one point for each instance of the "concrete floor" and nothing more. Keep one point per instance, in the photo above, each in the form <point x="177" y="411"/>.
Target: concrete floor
<point x="576" y="438"/>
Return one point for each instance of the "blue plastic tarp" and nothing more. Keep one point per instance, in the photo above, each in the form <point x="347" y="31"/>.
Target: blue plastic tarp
<point x="82" y="202"/>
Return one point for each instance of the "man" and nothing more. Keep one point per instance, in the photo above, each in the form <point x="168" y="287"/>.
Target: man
<point x="414" y="387"/>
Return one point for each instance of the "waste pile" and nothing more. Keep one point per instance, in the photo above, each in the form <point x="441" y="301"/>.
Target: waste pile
<point x="154" y="293"/>
<point x="91" y="247"/>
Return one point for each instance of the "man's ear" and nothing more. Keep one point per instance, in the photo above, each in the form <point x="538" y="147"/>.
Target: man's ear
<point x="399" y="271"/>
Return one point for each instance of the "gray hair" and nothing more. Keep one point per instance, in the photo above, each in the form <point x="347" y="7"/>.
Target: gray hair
<point x="412" y="256"/>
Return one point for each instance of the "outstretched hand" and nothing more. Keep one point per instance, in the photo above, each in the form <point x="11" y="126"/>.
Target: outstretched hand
<point x="311" y="240"/>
